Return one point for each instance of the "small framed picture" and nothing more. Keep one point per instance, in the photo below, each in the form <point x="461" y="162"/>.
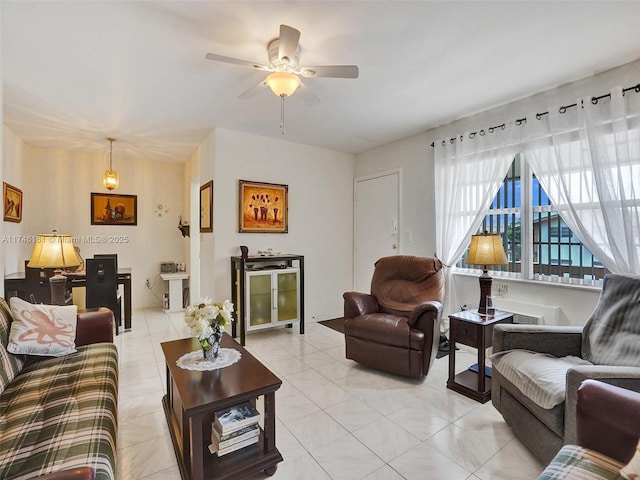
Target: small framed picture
<point x="206" y="207"/>
<point x="263" y="207"/>
<point x="113" y="209"/>
<point x="12" y="203"/>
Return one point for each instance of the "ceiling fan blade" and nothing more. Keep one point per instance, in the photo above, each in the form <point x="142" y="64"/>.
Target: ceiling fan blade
<point x="288" y="42"/>
<point x="333" y="71"/>
<point x="257" y="88"/>
<point x="236" y="61"/>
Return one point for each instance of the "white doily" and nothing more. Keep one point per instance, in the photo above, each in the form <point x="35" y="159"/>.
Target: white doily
<point x="195" y="360"/>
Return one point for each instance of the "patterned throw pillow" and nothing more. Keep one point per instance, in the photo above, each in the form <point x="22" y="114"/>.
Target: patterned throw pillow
<point x="47" y="330"/>
<point x="631" y="471"/>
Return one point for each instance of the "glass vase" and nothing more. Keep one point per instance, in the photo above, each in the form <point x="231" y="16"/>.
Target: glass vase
<point x="211" y="353"/>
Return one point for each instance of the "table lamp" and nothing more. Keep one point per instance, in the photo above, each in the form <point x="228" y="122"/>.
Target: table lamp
<point x="54" y="251"/>
<point x="486" y="249"/>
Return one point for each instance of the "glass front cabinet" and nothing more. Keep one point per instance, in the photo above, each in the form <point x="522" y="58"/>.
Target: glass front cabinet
<point x="272" y="298"/>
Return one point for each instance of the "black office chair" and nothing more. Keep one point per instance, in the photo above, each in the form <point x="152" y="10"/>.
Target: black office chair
<point x="102" y="286"/>
<point x="115" y="257"/>
<point x="108" y="255"/>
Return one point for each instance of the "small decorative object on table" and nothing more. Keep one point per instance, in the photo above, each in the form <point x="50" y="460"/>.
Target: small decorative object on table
<point x="206" y="320"/>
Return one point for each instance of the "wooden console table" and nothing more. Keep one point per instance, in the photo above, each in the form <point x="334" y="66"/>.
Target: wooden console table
<point x="190" y="404"/>
<point x="475" y="330"/>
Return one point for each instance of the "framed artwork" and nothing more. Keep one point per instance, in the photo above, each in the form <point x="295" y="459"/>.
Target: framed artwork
<point x="114" y="209"/>
<point x="264" y="207"/>
<point x="206" y="207"/>
<point x="12" y="203"/>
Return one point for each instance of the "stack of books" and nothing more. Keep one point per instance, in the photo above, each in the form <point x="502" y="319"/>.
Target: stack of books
<point x="234" y="428"/>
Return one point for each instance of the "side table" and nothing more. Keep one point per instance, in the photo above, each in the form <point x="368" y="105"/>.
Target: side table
<point x="475" y="330"/>
<point x="175" y="289"/>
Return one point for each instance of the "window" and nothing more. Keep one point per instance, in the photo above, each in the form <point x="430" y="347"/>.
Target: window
<point x="538" y="243"/>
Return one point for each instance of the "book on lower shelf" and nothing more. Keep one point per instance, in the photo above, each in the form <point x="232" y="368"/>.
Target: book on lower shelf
<point x="223" y="441"/>
<point x="232" y="448"/>
<point x="235" y="418"/>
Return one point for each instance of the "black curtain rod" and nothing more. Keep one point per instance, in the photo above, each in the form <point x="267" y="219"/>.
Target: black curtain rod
<point x="520" y="121"/>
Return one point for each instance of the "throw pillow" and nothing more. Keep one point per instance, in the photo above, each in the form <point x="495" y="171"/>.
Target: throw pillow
<point x="631" y="471"/>
<point x="47" y="330"/>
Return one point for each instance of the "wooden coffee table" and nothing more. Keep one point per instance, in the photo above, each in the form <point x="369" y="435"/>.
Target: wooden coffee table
<point x="192" y="399"/>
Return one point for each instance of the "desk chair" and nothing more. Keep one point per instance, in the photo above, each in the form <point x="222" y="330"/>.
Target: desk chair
<point x="102" y="287"/>
<point x="115" y="258"/>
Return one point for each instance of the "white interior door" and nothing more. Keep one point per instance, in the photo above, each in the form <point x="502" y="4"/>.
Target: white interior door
<point x="377" y="223"/>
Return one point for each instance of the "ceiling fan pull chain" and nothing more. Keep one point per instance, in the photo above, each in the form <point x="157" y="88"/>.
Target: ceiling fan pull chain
<point x="282" y="114"/>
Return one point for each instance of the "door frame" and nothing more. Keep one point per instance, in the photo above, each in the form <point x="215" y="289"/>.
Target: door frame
<point x="364" y="178"/>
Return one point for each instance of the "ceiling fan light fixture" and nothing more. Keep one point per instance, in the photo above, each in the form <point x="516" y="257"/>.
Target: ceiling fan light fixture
<point x="283" y="84"/>
<point x="110" y="178"/>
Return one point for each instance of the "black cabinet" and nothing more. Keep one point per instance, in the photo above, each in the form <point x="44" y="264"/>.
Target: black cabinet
<point x="281" y="276"/>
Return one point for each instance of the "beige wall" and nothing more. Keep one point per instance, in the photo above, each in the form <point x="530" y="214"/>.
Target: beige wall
<point x="56" y="187"/>
<point x="320" y="213"/>
<point x="12" y="173"/>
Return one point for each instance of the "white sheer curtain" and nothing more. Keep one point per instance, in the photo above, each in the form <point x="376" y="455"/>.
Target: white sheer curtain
<point x="468" y="174"/>
<point x="588" y="161"/>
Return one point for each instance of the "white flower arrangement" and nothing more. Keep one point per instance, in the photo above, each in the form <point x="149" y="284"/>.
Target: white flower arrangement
<point x="206" y="318"/>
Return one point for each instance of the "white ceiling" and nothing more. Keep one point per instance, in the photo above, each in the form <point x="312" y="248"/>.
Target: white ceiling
<point x="75" y="72"/>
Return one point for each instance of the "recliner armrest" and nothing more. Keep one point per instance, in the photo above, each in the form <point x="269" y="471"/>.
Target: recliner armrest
<point x="94" y="326"/>
<point x="356" y="304"/>
<point x="434" y="307"/>
<point x="608" y="419"/>
<point x="556" y="341"/>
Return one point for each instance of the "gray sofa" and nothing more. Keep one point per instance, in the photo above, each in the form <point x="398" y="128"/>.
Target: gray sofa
<point x="532" y="364"/>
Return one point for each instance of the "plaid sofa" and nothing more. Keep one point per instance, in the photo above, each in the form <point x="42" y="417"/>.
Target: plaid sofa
<point x="58" y="415"/>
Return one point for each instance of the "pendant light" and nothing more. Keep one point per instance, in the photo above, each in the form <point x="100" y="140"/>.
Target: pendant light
<point x="110" y="178"/>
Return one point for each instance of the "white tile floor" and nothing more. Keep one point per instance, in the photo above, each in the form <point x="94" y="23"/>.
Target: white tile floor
<point x="335" y="419"/>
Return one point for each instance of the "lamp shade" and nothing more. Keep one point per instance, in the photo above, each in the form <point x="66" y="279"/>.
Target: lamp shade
<point x="53" y="251"/>
<point x="110" y="179"/>
<point x="283" y="84"/>
<point x="486" y="249"/>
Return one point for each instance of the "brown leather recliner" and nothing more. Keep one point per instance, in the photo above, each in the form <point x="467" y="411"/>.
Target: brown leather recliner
<point x="397" y="327"/>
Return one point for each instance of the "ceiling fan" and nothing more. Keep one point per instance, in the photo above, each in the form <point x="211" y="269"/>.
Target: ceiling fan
<point x="284" y="55"/>
<point x="284" y="79"/>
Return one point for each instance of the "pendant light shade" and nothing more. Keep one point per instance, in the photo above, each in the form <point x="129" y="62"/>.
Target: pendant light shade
<point x="283" y="84"/>
<point x="110" y="178"/>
